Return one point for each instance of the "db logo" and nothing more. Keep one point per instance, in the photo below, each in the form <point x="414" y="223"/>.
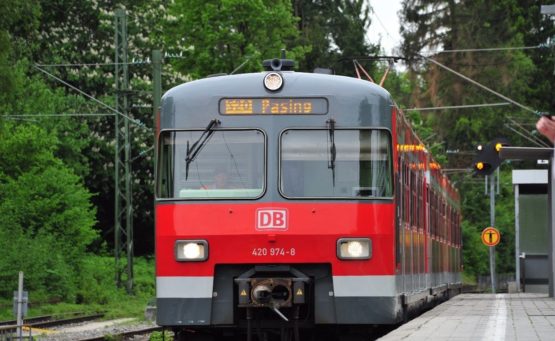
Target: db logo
<point x="270" y="218"/>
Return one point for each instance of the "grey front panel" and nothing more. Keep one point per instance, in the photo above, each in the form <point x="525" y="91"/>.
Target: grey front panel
<point x="183" y="311"/>
<point x="368" y="310"/>
<point x="224" y="302"/>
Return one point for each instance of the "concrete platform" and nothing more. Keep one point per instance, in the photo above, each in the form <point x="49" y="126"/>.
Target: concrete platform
<point x="522" y="317"/>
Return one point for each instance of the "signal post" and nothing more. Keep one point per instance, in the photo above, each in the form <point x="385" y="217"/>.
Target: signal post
<point x="486" y="162"/>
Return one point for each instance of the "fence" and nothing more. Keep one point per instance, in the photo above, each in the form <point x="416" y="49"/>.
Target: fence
<point x="501" y="282"/>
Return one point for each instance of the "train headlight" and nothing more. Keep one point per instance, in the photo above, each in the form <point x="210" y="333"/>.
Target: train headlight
<point x="354" y="248"/>
<point x="191" y="250"/>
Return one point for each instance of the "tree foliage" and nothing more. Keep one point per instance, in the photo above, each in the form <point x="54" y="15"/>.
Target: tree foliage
<point x="219" y="36"/>
<point x="430" y="26"/>
<point x="336" y="32"/>
<point x="47" y="217"/>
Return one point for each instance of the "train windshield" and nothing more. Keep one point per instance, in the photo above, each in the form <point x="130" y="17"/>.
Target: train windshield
<point x="350" y="164"/>
<point x="225" y="164"/>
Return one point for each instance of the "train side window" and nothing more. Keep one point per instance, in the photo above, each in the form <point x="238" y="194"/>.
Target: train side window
<point x="413" y="198"/>
<point x="406" y="191"/>
<point x="434" y="218"/>
<point x="419" y="206"/>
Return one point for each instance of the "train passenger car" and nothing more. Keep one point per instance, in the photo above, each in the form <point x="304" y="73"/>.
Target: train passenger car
<point x="295" y="202"/>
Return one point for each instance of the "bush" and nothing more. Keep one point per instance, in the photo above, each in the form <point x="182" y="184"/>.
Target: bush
<point x="47" y="218"/>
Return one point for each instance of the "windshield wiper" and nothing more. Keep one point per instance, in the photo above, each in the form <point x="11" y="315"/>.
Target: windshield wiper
<point x="331" y="164"/>
<point x="198" y="145"/>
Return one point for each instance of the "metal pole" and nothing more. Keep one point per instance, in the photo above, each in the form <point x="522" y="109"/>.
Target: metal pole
<point x="517" y="238"/>
<point x="156" y="97"/>
<point x="492" y="224"/>
<point x="123" y="210"/>
<point x="129" y="206"/>
<point x="550" y="10"/>
<point x="19" y="316"/>
<point x="498" y="181"/>
<point x="156" y="82"/>
<point x="551" y="224"/>
<point x="117" y="195"/>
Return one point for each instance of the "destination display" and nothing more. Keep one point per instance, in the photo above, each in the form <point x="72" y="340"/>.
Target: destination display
<point x="273" y="106"/>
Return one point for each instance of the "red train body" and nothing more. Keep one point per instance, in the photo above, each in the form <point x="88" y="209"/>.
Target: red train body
<point x="333" y="215"/>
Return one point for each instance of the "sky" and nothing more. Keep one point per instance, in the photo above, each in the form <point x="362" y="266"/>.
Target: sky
<point x="384" y="27"/>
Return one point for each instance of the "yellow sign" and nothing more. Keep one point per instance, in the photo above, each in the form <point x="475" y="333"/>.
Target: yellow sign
<point x="299" y="292"/>
<point x="491" y="236"/>
<point x="243" y="293"/>
<point x="273" y="106"/>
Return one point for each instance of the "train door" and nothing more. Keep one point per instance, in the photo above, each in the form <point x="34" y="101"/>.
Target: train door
<point x="428" y="232"/>
<point x="413" y="231"/>
<point x="399" y="226"/>
<point x="406" y="237"/>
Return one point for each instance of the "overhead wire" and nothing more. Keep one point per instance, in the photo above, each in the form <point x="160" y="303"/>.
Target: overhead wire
<point x="382" y="24"/>
<point x="134" y="62"/>
<point x="137" y="122"/>
<point x="467" y="106"/>
<point x="525" y="133"/>
<point x="524" y="136"/>
<point x="492" y="49"/>
<point x="91" y="64"/>
<point x="58" y="115"/>
<point x="480" y="85"/>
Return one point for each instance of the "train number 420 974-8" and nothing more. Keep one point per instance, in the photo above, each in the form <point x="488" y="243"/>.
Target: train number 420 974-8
<point x="273" y="251"/>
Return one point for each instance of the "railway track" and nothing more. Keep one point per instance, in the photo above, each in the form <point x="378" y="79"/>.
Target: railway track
<point x="28" y="320"/>
<point x="61" y="322"/>
<point x="47" y="319"/>
<point x="124" y="335"/>
<point x="10" y="327"/>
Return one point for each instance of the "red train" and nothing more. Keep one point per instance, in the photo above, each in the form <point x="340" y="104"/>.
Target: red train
<point x="290" y="203"/>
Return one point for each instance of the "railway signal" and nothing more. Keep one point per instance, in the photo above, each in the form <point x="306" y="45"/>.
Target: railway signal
<point x="487" y="158"/>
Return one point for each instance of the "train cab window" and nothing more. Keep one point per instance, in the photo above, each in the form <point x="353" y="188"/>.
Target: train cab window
<point x="229" y="164"/>
<point x="344" y="163"/>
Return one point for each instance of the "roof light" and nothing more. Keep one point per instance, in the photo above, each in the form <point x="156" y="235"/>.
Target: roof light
<point x="273" y="81"/>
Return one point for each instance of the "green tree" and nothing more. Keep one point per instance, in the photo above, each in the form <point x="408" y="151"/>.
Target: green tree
<point x="335" y="30"/>
<point x="537" y="30"/>
<point x="47" y="218"/>
<point x="218" y="36"/>
<point x="18" y="21"/>
<point x="73" y="33"/>
<point x="430" y="26"/>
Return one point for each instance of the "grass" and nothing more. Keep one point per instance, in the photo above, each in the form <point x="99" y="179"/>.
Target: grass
<point x="97" y="292"/>
<point x="468" y="279"/>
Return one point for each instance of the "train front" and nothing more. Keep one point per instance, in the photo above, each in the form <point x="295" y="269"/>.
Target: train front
<point x="275" y="204"/>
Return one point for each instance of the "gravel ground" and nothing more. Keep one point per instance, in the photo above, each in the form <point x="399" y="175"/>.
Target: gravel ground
<point x="91" y="329"/>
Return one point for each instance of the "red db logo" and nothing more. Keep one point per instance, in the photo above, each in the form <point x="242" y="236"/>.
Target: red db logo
<point x="271" y="219"/>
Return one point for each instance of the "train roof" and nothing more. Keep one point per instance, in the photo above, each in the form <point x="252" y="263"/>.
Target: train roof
<point x="349" y="101"/>
<point x="295" y="84"/>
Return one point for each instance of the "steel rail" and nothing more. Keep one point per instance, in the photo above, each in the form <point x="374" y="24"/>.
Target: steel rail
<point x="123" y="335"/>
